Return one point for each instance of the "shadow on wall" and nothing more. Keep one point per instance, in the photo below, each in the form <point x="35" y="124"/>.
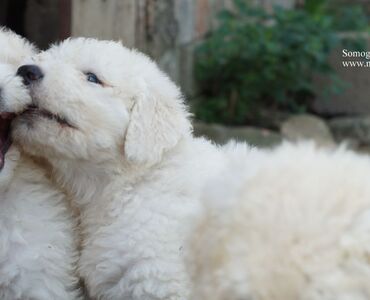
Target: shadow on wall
<point x="41" y="21"/>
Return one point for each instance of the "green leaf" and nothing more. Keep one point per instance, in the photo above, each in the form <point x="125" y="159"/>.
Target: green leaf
<point x="268" y="59"/>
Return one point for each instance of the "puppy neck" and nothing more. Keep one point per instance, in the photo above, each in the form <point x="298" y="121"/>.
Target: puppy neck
<point x="86" y="181"/>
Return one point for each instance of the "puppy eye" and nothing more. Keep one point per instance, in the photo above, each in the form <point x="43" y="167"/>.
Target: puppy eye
<point x="93" y="78"/>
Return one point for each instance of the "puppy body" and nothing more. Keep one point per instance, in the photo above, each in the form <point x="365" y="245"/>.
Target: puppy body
<point x="38" y="252"/>
<point x="126" y="168"/>
<point x="117" y="134"/>
<point x="136" y="222"/>
<point x="286" y="224"/>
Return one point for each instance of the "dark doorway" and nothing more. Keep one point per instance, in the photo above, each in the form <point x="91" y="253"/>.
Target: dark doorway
<point x="41" y="21"/>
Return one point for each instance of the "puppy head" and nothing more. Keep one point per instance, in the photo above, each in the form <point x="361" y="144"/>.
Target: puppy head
<point x="13" y="94"/>
<point x="97" y="101"/>
<point x="13" y="48"/>
<point x="13" y="51"/>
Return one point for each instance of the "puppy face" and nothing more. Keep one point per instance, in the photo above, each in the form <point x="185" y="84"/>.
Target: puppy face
<point x="98" y="101"/>
<point x="13" y="94"/>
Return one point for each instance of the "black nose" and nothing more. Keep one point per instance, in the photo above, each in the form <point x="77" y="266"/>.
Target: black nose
<point x="30" y="73"/>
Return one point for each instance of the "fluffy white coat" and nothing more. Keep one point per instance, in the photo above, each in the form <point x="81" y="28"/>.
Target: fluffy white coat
<point x="38" y="250"/>
<point x="168" y="216"/>
<point x="292" y="223"/>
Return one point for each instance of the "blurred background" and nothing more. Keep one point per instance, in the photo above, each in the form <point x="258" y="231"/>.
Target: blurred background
<point x="259" y="71"/>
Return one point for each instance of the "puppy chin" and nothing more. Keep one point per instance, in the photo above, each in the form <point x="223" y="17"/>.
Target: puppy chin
<point x="25" y="135"/>
<point x="39" y="137"/>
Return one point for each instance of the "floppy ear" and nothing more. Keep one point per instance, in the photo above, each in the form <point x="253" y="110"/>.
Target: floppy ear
<point x="157" y="123"/>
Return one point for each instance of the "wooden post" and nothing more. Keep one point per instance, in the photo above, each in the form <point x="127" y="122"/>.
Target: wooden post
<point x="65" y="10"/>
<point x="109" y="19"/>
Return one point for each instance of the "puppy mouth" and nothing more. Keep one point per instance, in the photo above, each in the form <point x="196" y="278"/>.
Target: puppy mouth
<point x="5" y="139"/>
<point x="35" y="111"/>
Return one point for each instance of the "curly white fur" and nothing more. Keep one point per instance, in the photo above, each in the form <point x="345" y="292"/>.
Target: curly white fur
<point x="287" y="224"/>
<point x="291" y="223"/>
<point x="38" y="253"/>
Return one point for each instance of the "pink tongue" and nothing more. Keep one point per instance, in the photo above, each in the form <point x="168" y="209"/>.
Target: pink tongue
<point x="6" y="115"/>
<point x="5" y="120"/>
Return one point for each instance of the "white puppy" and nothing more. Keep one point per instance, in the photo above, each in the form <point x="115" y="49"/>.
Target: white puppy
<point x="38" y="253"/>
<point x="115" y="129"/>
<point x="117" y="134"/>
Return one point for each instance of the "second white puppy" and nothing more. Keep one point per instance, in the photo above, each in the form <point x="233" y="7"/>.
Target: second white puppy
<point x="38" y="251"/>
<point x="288" y="224"/>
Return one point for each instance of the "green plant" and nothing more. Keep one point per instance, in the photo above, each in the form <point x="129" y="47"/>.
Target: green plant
<point x="256" y="60"/>
<point x="345" y="17"/>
